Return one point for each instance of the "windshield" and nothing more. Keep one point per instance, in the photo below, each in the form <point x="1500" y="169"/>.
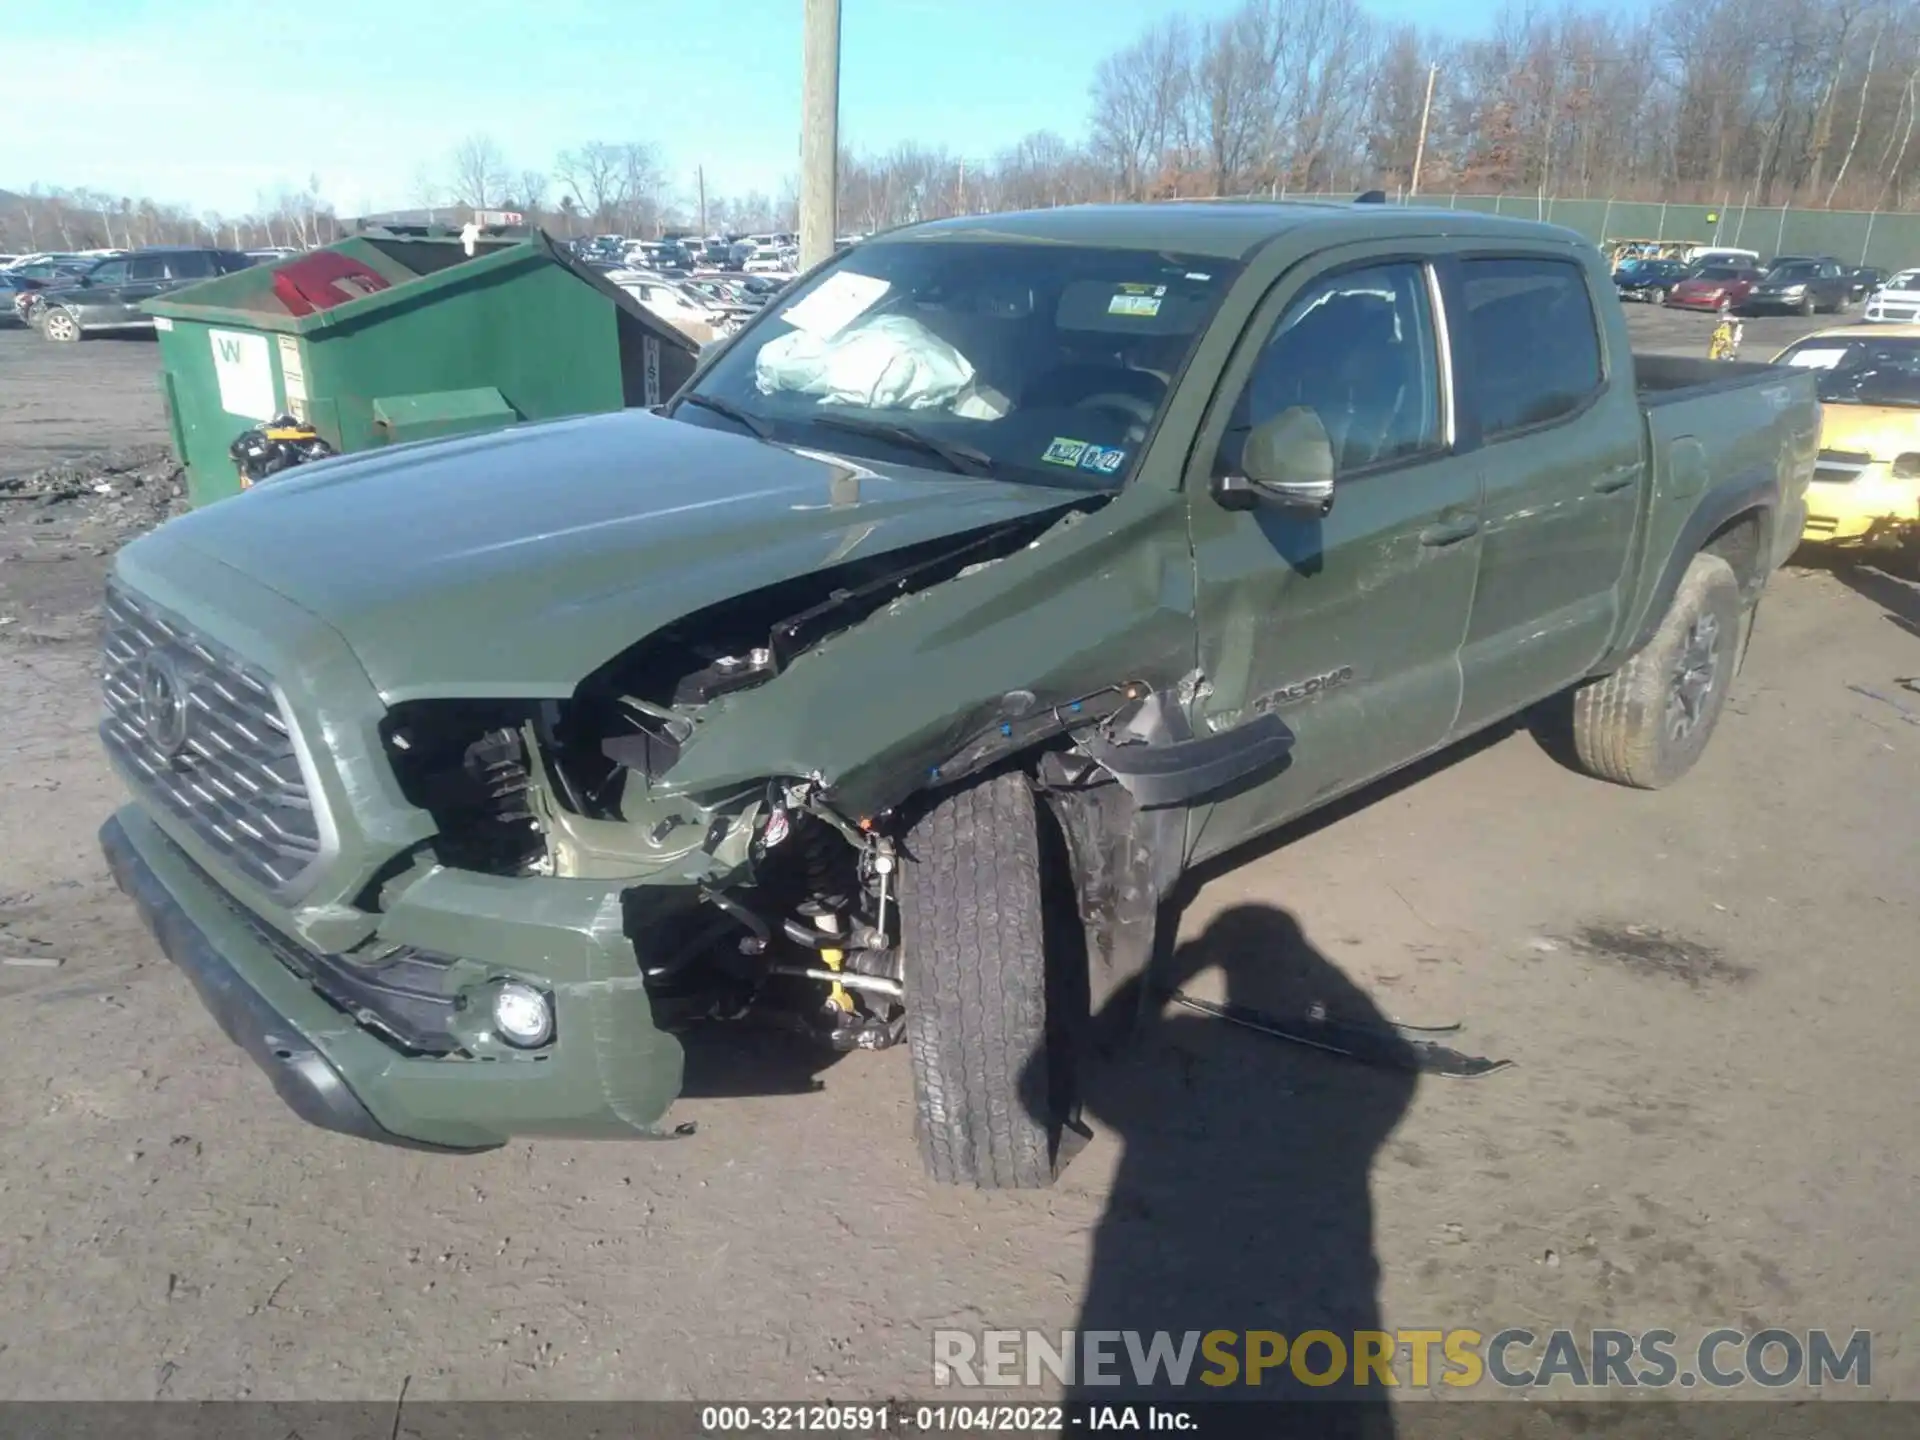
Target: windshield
<point x="1905" y="280"/>
<point x="1794" y="272"/>
<point x="1043" y="363"/>
<point x="1720" y="272"/>
<point x="1867" y="371"/>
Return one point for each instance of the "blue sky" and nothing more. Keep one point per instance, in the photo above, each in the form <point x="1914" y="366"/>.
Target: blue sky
<point x="216" y="103"/>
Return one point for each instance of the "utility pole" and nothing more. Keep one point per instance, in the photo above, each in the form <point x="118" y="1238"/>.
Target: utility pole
<point x="700" y="179"/>
<point x="1420" y="149"/>
<point x="819" y="130"/>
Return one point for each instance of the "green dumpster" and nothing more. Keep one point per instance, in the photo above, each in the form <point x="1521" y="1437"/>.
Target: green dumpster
<point x="460" y="339"/>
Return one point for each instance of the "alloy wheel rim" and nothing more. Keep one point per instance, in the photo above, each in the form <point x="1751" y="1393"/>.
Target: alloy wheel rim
<point x="1692" y="683"/>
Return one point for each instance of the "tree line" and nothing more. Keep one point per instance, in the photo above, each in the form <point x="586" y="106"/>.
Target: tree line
<point x="1810" y="103"/>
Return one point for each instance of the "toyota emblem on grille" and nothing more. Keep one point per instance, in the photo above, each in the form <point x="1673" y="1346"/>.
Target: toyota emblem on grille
<point x="163" y="704"/>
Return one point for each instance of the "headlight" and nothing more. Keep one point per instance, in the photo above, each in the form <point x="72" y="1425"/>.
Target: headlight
<point x="1907" y="466"/>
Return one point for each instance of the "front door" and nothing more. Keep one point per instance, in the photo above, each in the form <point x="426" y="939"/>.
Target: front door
<point x="1347" y="625"/>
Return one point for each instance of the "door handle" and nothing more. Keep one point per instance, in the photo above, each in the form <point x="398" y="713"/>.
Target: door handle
<point x="1452" y="531"/>
<point x="1615" y="480"/>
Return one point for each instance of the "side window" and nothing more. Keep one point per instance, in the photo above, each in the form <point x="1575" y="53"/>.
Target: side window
<point x="1536" y="343"/>
<point x="189" y="265"/>
<point x="149" y="267"/>
<point x="108" y="272"/>
<point x="1357" y="349"/>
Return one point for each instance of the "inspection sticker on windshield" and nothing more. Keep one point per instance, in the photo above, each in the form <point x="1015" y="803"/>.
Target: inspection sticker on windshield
<point x="1141" y="300"/>
<point x="835" y="302"/>
<point x="1079" y="455"/>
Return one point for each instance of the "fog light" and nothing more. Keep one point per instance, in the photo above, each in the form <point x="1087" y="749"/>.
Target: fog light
<point x="522" y="1015"/>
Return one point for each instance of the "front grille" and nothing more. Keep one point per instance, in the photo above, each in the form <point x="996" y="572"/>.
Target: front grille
<point x="200" y="734"/>
<point x="1822" y="524"/>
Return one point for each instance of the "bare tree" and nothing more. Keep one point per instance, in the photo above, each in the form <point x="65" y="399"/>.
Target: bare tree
<point x="479" y="177"/>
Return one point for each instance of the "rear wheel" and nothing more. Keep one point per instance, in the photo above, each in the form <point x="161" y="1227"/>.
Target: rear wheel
<point x="61" y="326"/>
<point x="1646" y="724"/>
<point x="986" y="1075"/>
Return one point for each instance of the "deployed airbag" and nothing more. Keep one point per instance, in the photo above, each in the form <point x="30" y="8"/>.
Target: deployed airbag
<point x="892" y="362"/>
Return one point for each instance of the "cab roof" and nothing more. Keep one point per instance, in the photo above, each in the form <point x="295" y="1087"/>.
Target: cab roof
<point x="1225" y="229"/>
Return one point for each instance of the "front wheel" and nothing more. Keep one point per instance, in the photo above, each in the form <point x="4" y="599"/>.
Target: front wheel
<point x="61" y="326"/>
<point x="1807" y="307"/>
<point x="1646" y="724"/>
<point x="986" y="1062"/>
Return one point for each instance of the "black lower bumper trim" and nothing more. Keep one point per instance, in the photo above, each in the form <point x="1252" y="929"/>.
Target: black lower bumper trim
<point x="312" y="1088"/>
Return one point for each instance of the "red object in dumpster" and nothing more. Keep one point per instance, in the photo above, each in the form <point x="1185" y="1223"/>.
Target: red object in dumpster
<point x="323" y="280"/>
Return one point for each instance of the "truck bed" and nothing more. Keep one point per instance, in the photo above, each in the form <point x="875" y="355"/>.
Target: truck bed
<point x="1746" y="430"/>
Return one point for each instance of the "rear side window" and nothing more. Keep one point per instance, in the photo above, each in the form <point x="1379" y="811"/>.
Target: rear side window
<point x="1536" y="343"/>
<point x="149" y="267"/>
<point x="189" y="265"/>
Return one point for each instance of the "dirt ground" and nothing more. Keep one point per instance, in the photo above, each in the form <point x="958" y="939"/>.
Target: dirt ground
<point x="1708" y="995"/>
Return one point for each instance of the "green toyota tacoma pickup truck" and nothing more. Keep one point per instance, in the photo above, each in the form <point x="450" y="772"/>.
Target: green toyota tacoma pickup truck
<point x="1004" y="568"/>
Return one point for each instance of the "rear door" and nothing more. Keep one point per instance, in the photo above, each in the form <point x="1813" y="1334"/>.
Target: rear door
<point x="146" y="278"/>
<point x="1560" y="426"/>
<point x="1347" y="625"/>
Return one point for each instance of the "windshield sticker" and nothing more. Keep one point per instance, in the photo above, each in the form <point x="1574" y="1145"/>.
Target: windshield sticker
<point x="1080" y="455"/>
<point x="834" y="303"/>
<point x="1816" y="359"/>
<point x="1140" y="300"/>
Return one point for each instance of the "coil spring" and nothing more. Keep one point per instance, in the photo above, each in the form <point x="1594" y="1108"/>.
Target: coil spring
<point x="824" y="860"/>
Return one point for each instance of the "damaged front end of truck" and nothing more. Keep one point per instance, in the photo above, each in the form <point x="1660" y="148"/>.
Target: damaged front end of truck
<point x="752" y="770"/>
<point x="453" y="873"/>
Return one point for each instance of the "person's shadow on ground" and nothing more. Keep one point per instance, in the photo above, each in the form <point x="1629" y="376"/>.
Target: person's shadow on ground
<point x="1241" y="1201"/>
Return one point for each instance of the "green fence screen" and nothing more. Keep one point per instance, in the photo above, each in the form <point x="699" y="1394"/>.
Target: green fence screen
<point x="1884" y="238"/>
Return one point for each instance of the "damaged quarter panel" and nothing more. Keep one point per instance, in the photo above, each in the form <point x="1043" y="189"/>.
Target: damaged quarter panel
<point x="1100" y="599"/>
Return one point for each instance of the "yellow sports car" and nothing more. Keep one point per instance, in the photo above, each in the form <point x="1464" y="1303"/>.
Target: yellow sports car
<point x="1867" y="483"/>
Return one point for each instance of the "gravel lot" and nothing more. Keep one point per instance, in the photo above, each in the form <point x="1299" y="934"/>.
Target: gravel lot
<point x="1708" y="994"/>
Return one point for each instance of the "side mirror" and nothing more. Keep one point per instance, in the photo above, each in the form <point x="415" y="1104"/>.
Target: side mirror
<point x="1286" y="461"/>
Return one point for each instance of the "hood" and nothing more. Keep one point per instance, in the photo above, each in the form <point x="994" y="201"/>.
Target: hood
<point x="1882" y="431"/>
<point x="512" y="564"/>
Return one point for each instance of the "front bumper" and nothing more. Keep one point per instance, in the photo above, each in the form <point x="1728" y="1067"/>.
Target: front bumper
<point x="609" y="1073"/>
<point x="1842" y="512"/>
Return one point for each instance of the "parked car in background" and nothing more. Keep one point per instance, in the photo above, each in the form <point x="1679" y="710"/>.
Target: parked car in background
<point x="109" y="295"/>
<point x="1863" y="280"/>
<point x="1866" y="486"/>
<point x="1720" y="255"/>
<point x="664" y="257"/>
<point x="267" y="254"/>
<point x="1649" y="280"/>
<point x="686" y="310"/>
<point x="20" y="286"/>
<point x="1714" y="287"/>
<point x="1802" y="286"/>
<point x="1897" y="302"/>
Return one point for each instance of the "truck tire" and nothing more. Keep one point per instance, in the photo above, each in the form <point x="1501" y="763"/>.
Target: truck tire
<point x="1646" y="723"/>
<point x="973" y="933"/>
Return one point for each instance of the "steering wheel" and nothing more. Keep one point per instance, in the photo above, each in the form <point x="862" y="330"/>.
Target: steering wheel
<point x="1134" y="412"/>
